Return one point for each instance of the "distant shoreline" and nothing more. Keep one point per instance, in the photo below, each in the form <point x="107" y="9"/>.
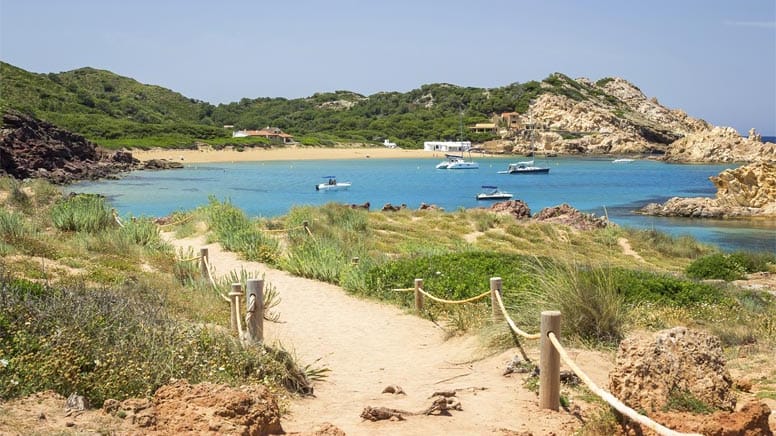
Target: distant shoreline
<point x="210" y="155"/>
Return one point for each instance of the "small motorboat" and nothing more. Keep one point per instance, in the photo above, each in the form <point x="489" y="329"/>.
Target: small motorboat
<point x="493" y="193"/>
<point x="623" y="160"/>
<point x="332" y="184"/>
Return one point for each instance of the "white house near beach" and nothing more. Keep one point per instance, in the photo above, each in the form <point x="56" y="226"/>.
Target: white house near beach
<point x="447" y="146"/>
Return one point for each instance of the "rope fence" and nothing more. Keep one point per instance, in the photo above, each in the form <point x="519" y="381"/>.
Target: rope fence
<point x="551" y="354"/>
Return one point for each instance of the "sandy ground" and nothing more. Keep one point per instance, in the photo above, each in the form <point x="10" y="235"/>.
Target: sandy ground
<point x="204" y="155"/>
<point x="368" y="346"/>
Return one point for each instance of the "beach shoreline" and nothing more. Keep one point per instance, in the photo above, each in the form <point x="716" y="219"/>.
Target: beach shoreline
<point x="258" y="154"/>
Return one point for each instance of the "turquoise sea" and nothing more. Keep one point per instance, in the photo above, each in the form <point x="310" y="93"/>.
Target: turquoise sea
<point x="270" y="189"/>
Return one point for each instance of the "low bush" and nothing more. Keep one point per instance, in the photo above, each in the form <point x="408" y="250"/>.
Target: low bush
<point x="642" y="286"/>
<point x="729" y="267"/>
<point x="118" y="343"/>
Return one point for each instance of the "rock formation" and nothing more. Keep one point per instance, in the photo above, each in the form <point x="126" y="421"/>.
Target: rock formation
<point x="679" y="362"/>
<point x="721" y="144"/>
<point x="31" y="148"/>
<point x="567" y="215"/>
<point x="746" y="191"/>
<point x="517" y="208"/>
<point x="181" y="408"/>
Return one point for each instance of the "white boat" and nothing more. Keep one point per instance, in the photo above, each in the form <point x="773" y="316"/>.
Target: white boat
<point x="624" y="160"/>
<point x="493" y="193"/>
<point x="455" y="162"/>
<point x="332" y="185"/>
<point x="524" y="168"/>
<point x="528" y="166"/>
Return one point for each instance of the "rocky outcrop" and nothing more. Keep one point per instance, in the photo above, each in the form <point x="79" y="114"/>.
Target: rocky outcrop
<point x="676" y="363"/>
<point x="516" y="208"/>
<point x="30" y="148"/>
<point x="567" y="215"/>
<point x="721" y="144"/>
<point x="747" y="191"/>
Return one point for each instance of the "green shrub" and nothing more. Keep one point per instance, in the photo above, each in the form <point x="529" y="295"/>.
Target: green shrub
<point x="13" y="227"/>
<point x="753" y="261"/>
<point x="82" y="213"/>
<point x="642" y="286"/>
<point x="716" y="266"/>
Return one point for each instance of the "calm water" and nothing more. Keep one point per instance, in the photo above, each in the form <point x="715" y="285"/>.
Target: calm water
<point x="270" y="189"/>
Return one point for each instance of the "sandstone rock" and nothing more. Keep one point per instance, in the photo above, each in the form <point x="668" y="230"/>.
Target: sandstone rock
<point x="720" y="144"/>
<point x="746" y="191"/>
<point x="180" y="407"/>
<point x="649" y="370"/>
<point x="516" y="208"/>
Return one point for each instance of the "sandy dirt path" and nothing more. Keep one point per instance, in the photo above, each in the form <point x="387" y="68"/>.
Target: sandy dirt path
<point x="368" y="345"/>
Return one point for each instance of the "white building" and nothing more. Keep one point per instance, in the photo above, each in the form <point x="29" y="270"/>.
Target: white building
<point x="447" y="146"/>
<point x="389" y="144"/>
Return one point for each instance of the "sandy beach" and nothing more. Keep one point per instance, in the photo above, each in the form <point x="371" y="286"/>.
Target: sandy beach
<point x="209" y="155"/>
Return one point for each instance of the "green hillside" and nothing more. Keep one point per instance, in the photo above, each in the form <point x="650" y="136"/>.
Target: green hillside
<point x="101" y="105"/>
<point x="115" y="110"/>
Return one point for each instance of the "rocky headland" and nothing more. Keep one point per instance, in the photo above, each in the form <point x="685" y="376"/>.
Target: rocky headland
<point x="613" y="116"/>
<point x="31" y="148"/>
<point x="747" y="191"/>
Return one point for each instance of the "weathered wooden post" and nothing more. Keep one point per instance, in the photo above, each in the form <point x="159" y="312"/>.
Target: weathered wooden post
<point x="234" y="303"/>
<point x="418" y="295"/>
<point x="254" y="317"/>
<point x="549" y="362"/>
<point x="495" y="286"/>
<point x="203" y="262"/>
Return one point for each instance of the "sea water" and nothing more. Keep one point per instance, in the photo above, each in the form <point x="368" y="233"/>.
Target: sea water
<point x="272" y="188"/>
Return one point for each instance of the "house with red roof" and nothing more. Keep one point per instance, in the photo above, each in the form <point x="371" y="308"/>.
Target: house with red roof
<point x="273" y="134"/>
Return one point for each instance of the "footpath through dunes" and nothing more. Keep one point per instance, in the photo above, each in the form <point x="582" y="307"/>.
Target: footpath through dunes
<point x="367" y="346"/>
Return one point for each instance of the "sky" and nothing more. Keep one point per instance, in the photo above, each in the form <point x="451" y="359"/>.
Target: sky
<point x="714" y="59"/>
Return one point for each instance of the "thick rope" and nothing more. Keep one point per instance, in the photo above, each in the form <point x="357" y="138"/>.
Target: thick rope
<point x="213" y="282"/>
<point x="512" y="323"/>
<point x="177" y="222"/>
<point x="611" y="399"/>
<point x="402" y="289"/>
<point x="441" y="300"/>
<point x="190" y="259"/>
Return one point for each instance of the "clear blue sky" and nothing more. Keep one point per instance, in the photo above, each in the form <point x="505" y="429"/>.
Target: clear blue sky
<point x="715" y="59"/>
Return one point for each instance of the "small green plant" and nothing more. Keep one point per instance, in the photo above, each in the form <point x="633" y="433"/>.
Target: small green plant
<point x="685" y="401"/>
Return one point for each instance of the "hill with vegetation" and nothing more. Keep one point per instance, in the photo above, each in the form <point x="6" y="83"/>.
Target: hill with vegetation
<point x="118" y="111"/>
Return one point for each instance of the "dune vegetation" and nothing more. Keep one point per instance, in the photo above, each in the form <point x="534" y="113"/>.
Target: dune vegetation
<point x="113" y="311"/>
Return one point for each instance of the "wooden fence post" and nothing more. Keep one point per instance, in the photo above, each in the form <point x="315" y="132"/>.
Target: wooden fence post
<point x="549" y="362"/>
<point x="254" y="303"/>
<point x="203" y="261"/>
<point x="495" y="286"/>
<point x="234" y="303"/>
<point x="418" y="295"/>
